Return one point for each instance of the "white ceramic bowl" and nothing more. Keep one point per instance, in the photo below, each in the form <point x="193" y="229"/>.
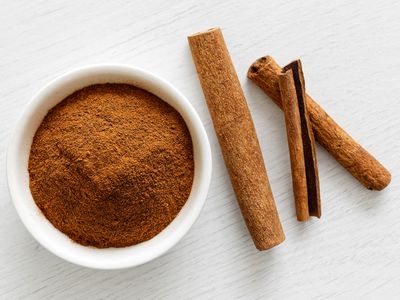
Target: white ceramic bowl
<point x="18" y="178"/>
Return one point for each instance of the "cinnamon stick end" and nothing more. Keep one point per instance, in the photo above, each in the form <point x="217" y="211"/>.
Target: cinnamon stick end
<point x="383" y="179"/>
<point x="211" y="30"/>
<point x="270" y="243"/>
<point x="258" y="64"/>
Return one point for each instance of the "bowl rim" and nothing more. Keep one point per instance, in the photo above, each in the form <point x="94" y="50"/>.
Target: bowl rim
<point x="187" y="216"/>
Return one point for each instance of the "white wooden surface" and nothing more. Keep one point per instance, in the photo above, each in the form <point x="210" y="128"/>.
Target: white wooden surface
<point x="350" y="53"/>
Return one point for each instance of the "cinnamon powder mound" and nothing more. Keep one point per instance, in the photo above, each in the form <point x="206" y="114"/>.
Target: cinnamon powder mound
<point x="111" y="165"/>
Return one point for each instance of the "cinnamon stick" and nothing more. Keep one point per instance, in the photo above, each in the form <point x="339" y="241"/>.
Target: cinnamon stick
<point x="237" y="137"/>
<point x="301" y="142"/>
<point x="352" y="156"/>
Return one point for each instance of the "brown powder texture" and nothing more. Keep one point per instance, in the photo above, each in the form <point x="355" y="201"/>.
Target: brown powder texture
<point x="111" y="165"/>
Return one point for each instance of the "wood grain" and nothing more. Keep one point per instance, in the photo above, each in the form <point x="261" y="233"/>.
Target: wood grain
<point x="349" y="51"/>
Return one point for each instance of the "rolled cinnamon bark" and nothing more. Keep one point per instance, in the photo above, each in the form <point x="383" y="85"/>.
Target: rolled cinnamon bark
<point x="237" y="137"/>
<point x="351" y="155"/>
<point x="301" y="142"/>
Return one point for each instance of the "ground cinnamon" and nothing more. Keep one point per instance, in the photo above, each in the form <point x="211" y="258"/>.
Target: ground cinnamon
<point x="111" y="165"/>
